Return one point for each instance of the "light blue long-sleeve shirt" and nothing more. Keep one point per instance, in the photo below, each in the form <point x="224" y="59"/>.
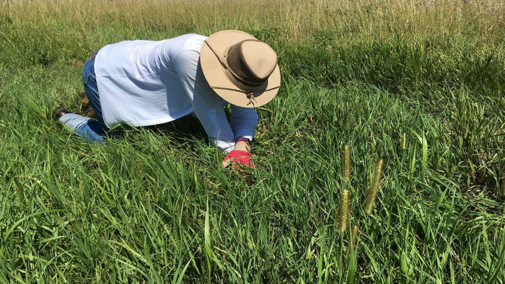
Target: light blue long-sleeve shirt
<point x="152" y="82"/>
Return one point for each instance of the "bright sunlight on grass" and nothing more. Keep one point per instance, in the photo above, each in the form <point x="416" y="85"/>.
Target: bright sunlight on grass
<point x="380" y="161"/>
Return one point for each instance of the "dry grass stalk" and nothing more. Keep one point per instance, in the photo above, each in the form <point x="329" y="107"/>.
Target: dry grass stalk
<point x="302" y="18"/>
<point x="343" y="211"/>
<point x="373" y="191"/>
<point x="346" y="164"/>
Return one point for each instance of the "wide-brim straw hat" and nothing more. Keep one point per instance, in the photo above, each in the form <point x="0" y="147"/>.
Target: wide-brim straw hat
<point x="240" y="68"/>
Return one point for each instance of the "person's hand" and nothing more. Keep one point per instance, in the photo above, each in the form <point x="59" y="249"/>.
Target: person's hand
<point x="238" y="158"/>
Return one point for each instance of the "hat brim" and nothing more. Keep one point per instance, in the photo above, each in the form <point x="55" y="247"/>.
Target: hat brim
<point x="215" y="75"/>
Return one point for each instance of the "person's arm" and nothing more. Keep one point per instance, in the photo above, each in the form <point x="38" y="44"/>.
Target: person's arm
<point x="207" y="105"/>
<point x="243" y="123"/>
<point x="208" y="108"/>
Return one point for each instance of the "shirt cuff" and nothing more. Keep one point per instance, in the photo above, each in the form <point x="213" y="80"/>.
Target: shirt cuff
<point x="227" y="147"/>
<point x="223" y="146"/>
<point x="249" y="137"/>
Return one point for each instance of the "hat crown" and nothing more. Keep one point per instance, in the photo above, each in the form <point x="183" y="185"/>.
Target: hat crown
<point x="252" y="60"/>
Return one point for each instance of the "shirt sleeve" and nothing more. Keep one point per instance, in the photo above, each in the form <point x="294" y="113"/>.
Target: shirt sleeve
<point x="207" y="105"/>
<point x="243" y="121"/>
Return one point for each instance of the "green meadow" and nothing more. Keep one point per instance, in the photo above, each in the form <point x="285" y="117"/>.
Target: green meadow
<point x="419" y="84"/>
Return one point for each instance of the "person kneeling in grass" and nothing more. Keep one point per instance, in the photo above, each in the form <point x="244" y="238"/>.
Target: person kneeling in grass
<point x="142" y="83"/>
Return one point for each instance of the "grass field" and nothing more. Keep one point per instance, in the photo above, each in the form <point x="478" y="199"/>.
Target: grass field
<point x="419" y="84"/>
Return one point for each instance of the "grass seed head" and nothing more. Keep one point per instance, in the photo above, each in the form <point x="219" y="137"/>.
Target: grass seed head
<point x="346" y="164"/>
<point x="373" y="191"/>
<point x="343" y="211"/>
<point x="354" y="242"/>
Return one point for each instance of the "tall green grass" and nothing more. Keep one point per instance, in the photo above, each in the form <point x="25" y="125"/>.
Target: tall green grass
<point x="419" y="84"/>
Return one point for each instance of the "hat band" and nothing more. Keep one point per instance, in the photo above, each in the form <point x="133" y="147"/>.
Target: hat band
<point x="235" y="90"/>
<point x="236" y="79"/>
<point x="238" y="82"/>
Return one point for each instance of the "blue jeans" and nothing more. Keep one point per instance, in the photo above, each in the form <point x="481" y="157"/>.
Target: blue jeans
<point x="91" y="88"/>
<point x="89" y="129"/>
